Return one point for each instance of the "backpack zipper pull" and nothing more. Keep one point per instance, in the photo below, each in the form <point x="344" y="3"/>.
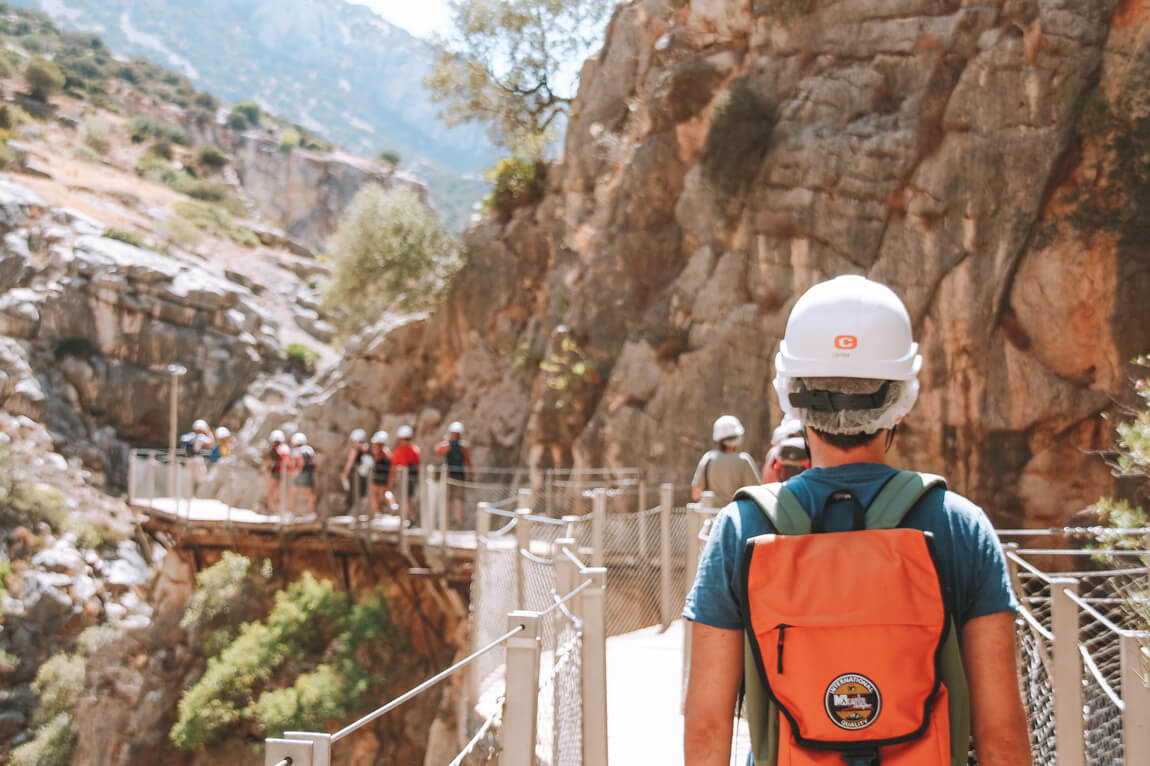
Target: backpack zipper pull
<point x="782" y="632"/>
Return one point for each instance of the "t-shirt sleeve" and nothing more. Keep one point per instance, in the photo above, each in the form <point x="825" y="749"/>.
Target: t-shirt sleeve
<point x="986" y="587"/>
<point x="700" y="469"/>
<point x="712" y="600"/>
<point x="752" y="472"/>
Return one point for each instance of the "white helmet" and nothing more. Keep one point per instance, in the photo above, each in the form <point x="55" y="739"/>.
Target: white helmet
<point x="298" y="439"/>
<point x="277" y="437"/>
<point x="455" y="428"/>
<point x="850" y="327"/>
<point x="200" y="425"/>
<point x="222" y="432"/>
<point x="726" y="427"/>
<point x="359" y="435"/>
<point x="379" y="437"/>
<point x="404" y="432"/>
<point x="789" y="427"/>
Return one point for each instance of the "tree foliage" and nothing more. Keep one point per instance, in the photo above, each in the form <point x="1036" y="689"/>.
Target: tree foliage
<point x="388" y="252"/>
<point x="504" y="65"/>
<point x="44" y="78"/>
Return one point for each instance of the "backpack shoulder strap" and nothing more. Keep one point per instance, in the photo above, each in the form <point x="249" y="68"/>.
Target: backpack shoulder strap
<point x="901" y="493"/>
<point x="780" y="506"/>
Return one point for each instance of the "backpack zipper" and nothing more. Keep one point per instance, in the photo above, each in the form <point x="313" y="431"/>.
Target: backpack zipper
<point x="782" y="633"/>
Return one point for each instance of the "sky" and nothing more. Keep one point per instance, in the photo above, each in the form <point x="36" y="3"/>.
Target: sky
<point x="419" y="17"/>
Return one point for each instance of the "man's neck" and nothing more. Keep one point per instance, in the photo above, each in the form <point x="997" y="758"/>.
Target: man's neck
<point x="824" y="455"/>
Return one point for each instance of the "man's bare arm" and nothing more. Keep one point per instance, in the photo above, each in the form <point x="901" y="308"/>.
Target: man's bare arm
<point x="712" y="685"/>
<point x="998" y="719"/>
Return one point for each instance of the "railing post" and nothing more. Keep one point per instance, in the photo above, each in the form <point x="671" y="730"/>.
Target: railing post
<point x="666" y="570"/>
<point x="522" y="543"/>
<point x="427" y="520"/>
<point x="644" y="543"/>
<point x="276" y="751"/>
<point x="593" y="613"/>
<point x="598" y="525"/>
<point x="1067" y="681"/>
<point x="150" y="481"/>
<point x="320" y="746"/>
<point x="527" y="498"/>
<point x="1136" y="698"/>
<point x="402" y="501"/>
<point x="482" y="529"/>
<point x="132" y="471"/>
<point x="442" y="510"/>
<point x="522" y="691"/>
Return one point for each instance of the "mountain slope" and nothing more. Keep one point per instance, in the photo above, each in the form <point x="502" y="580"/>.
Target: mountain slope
<point x="336" y="68"/>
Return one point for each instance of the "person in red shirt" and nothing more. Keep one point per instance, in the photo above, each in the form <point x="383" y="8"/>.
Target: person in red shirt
<point x="276" y="464"/>
<point x="406" y="454"/>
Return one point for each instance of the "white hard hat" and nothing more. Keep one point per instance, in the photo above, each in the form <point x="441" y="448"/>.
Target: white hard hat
<point x="200" y="425"/>
<point x="726" y="427"/>
<point x="298" y="438"/>
<point x="276" y="436"/>
<point x="359" y="435"/>
<point x="222" y="432"/>
<point x="379" y="437"/>
<point x="789" y="427"/>
<point x="404" y="432"/>
<point x="455" y="428"/>
<point x="848" y="327"/>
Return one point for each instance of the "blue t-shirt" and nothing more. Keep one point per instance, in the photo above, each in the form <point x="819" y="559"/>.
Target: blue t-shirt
<point x="969" y="555"/>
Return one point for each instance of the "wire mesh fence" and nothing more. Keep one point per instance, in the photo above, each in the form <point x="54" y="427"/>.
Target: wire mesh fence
<point x="559" y="726"/>
<point x="491" y="600"/>
<point x="1102" y="712"/>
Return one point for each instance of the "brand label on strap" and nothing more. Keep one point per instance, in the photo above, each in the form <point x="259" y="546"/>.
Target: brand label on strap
<point x="853" y="702"/>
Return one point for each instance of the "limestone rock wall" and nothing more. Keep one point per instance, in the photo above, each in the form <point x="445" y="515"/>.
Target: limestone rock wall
<point x="990" y="161"/>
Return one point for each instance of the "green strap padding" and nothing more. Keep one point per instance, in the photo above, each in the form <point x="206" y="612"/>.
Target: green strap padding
<point x="901" y="493"/>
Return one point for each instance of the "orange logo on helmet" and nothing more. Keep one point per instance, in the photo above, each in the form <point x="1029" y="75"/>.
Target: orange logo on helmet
<point x="846" y="342"/>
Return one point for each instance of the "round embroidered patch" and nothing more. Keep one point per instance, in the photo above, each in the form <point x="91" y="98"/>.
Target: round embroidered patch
<point x="853" y="702"/>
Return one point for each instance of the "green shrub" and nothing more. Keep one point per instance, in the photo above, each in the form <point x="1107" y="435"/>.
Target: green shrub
<point x="517" y="182"/>
<point x="389" y="250"/>
<point x="12" y="117"/>
<point x="9" y="663"/>
<point x="162" y="149"/>
<point x="86" y="154"/>
<point x="144" y="128"/>
<point x="44" y="78"/>
<point x="7" y="155"/>
<point x="92" y="535"/>
<point x="389" y="156"/>
<point x="126" y="237"/>
<point x="739" y="137"/>
<point x="95" y="638"/>
<point x="289" y="139"/>
<point x="301" y="358"/>
<point x="217" y="222"/>
<point x="247" y="111"/>
<point x="58" y="684"/>
<point x="96" y="134"/>
<point x="181" y="232"/>
<point x="53" y="745"/>
<point x="226" y="594"/>
<point x="211" y="156"/>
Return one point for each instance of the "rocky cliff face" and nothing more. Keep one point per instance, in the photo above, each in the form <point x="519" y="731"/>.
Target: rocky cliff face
<point x="991" y="162"/>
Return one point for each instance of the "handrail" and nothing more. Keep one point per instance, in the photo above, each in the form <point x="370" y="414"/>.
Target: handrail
<point x="1035" y="625"/>
<point x="1082" y="552"/>
<point x="1090" y="665"/>
<point x="1106" y="623"/>
<point x="559" y="602"/>
<point x="1098" y="530"/>
<point x="480" y="734"/>
<point x="1028" y="566"/>
<point x="353" y="727"/>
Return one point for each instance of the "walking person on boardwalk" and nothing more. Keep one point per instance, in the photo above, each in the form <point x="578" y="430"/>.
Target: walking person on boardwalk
<point x="304" y="462"/>
<point x="788" y="455"/>
<point x="892" y="641"/>
<point x="275" y="463"/>
<point x="458" y="460"/>
<point x="724" y="469"/>
<point x="356" y="469"/>
<point x="381" y="474"/>
<point x="406" y="454"/>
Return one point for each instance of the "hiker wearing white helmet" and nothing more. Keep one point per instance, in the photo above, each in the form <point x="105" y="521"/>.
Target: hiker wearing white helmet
<point x="406" y="455"/>
<point x="356" y="468"/>
<point x="724" y="469"/>
<point x="911" y="553"/>
<point x="788" y="455"/>
<point x="381" y="474"/>
<point x="198" y="445"/>
<point x="303" y="461"/>
<point x="457" y="460"/>
<point x="276" y="464"/>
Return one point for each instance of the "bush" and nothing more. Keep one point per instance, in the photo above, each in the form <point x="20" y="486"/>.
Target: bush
<point x="739" y="137"/>
<point x="211" y="156"/>
<point x="126" y="237"/>
<point x="144" y="128"/>
<point x="518" y="181"/>
<point x="246" y="111"/>
<point x="97" y="136"/>
<point x="162" y="149"/>
<point x="58" y="683"/>
<point x="289" y="139"/>
<point x="228" y="593"/>
<point x="389" y="156"/>
<point x="53" y="745"/>
<point x="301" y="359"/>
<point x="217" y="222"/>
<point x="388" y="251"/>
<point x="44" y="78"/>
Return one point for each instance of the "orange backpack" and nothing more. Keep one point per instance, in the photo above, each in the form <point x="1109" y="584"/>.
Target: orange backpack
<point x="847" y="631"/>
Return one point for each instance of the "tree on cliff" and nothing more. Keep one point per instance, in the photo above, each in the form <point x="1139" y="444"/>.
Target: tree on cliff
<point x="389" y="252"/>
<point x="508" y="64"/>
